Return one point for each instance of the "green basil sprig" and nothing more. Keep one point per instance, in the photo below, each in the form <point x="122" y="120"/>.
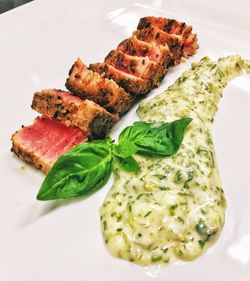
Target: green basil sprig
<point x="84" y="168"/>
<point x="153" y="139"/>
<point x="88" y="166"/>
<point x="129" y="164"/>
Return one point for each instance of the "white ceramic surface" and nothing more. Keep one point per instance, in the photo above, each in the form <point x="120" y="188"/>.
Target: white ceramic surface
<point x="52" y="241"/>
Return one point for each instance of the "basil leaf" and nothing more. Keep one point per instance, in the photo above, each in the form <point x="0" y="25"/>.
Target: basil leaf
<point x="124" y="151"/>
<point x="164" y="140"/>
<point x="82" y="169"/>
<point x="150" y="139"/>
<point x="129" y="164"/>
<point x="88" y="166"/>
<point x="133" y="133"/>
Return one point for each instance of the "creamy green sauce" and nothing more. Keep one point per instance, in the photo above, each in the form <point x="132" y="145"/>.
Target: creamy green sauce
<point x="175" y="207"/>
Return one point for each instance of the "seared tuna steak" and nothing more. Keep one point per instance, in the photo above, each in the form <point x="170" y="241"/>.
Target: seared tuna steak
<point x="70" y="110"/>
<point x="135" y="47"/>
<point x="158" y="36"/>
<point x="103" y="91"/>
<point x="43" y="142"/>
<point x="173" y="27"/>
<point x="88" y="84"/>
<point x="131" y="83"/>
<point x="139" y="66"/>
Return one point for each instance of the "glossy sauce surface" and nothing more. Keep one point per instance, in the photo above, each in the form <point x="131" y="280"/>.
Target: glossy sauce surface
<point x="175" y="206"/>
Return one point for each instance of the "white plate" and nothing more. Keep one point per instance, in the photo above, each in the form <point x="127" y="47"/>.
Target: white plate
<point x="51" y="241"/>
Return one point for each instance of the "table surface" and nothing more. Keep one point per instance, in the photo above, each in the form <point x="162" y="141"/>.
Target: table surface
<point x="6" y="5"/>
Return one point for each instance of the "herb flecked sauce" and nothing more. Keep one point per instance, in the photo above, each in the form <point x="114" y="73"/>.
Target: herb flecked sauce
<point x="175" y="206"/>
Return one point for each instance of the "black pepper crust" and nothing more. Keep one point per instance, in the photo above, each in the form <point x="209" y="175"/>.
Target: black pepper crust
<point x="132" y="84"/>
<point x="136" y="65"/>
<point x="86" y="84"/>
<point x="59" y="106"/>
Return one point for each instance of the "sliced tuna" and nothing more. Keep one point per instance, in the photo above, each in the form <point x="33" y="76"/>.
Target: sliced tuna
<point x="70" y="110"/>
<point x="44" y="141"/>
<point x="91" y="85"/>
